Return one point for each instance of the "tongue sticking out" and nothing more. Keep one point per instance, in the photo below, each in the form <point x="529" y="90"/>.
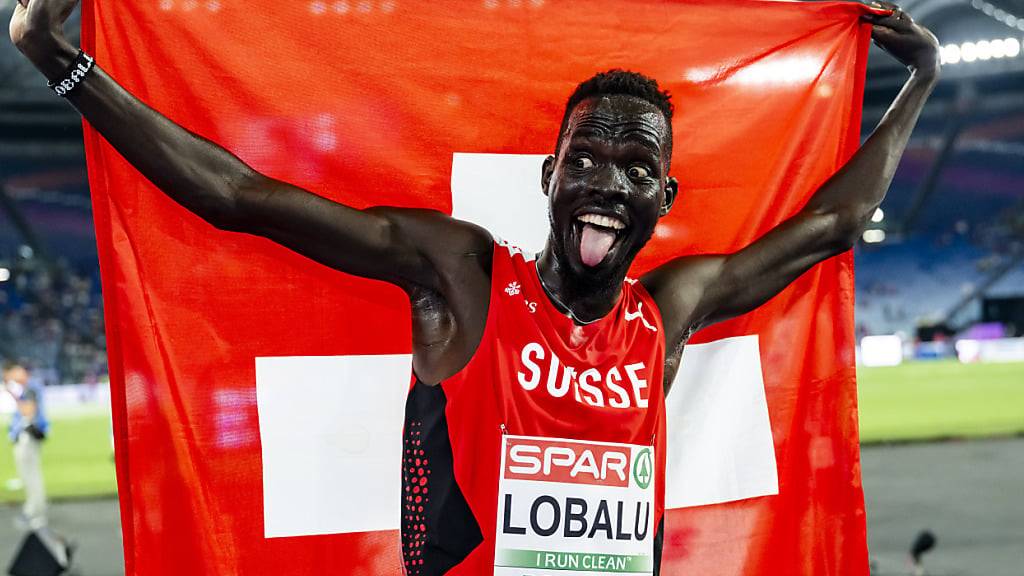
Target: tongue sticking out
<point x="594" y="244"/>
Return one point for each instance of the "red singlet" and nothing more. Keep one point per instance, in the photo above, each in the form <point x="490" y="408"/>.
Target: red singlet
<point x="548" y="443"/>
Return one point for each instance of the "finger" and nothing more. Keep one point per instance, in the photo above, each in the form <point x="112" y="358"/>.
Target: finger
<point x="903" y="16"/>
<point x="878" y="8"/>
<point x="883" y="31"/>
<point x="881" y="35"/>
<point x="889" y="21"/>
<point x="897" y="21"/>
<point x="877" y="17"/>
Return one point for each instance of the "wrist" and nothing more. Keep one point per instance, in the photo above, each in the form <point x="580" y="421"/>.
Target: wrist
<point x="928" y="67"/>
<point x="926" y="73"/>
<point x="50" y="54"/>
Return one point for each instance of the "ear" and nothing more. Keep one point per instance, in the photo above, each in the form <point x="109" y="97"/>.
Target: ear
<point x="545" y="174"/>
<point x="671" y="190"/>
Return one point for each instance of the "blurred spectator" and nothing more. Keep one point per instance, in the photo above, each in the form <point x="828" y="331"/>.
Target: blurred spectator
<point x="28" y="430"/>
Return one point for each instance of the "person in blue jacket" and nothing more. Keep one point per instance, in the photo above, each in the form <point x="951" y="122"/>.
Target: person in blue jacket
<point x="29" y="427"/>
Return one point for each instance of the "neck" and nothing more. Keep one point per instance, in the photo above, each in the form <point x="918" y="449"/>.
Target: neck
<point x="584" y="301"/>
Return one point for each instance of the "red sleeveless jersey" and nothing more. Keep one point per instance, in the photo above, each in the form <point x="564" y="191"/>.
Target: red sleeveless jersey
<point x="549" y="443"/>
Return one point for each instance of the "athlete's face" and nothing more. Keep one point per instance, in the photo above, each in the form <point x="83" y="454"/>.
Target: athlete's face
<point x="16" y="374"/>
<point x="608" y="184"/>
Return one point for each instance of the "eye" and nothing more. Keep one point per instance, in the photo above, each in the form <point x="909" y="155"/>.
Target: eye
<point x="638" y="172"/>
<point x="582" y="162"/>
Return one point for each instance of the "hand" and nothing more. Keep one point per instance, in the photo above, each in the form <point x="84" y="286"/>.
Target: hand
<point x="38" y="25"/>
<point x="910" y="43"/>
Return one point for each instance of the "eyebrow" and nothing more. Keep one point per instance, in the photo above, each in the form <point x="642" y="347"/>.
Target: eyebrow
<point x="644" y="140"/>
<point x="635" y="137"/>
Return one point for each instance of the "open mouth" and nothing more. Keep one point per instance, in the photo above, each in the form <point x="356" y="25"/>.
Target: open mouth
<point x="598" y="234"/>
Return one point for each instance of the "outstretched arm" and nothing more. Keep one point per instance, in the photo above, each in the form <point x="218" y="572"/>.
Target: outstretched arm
<point x="699" y="290"/>
<point x="381" y="243"/>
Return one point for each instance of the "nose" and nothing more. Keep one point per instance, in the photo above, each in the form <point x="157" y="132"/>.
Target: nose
<point x="610" y="183"/>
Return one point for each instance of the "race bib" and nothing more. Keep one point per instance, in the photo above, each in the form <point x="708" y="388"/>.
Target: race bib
<point x="574" y="507"/>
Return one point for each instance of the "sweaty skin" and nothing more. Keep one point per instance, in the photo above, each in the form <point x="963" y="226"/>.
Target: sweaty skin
<point x="612" y="160"/>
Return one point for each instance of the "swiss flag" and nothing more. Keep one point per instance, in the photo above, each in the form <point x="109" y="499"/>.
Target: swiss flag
<point x="258" y="395"/>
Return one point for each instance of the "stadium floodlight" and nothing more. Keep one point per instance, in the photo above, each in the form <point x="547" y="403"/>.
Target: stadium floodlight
<point x="968" y="52"/>
<point x="874" y="236"/>
<point x="5" y="274"/>
<point x="951" y="54"/>
<point x="984" y="49"/>
<point x="998" y="49"/>
<point x="998" y="14"/>
<point x="981" y="50"/>
<point x="878" y="216"/>
<point x="1012" y="46"/>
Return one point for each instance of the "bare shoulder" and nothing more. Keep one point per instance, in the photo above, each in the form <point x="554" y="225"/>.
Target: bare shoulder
<point x="436" y="234"/>
<point x="678" y="287"/>
<point x="459" y="256"/>
<point x="449" y="312"/>
<point x="681" y="278"/>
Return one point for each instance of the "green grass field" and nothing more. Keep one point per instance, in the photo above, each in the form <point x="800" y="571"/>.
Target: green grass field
<point x="931" y="400"/>
<point x="77" y="459"/>
<point x="918" y="401"/>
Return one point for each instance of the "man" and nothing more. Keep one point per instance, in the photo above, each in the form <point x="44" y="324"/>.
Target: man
<point x="524" y="366"/>
<point x="29" y="427"/>
<point x="28" y="430"/>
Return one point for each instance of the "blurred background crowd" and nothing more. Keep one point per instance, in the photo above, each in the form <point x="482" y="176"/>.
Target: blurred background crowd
<point x="52" y="318"/>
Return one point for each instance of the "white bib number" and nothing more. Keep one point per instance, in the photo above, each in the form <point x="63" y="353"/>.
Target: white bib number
<point x="574" y="507"/>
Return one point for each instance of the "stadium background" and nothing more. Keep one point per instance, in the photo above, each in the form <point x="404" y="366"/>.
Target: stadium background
<point x="940" y="280"/>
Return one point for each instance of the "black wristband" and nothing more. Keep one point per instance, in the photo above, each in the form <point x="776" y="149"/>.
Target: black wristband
<point x="74" y="75"/>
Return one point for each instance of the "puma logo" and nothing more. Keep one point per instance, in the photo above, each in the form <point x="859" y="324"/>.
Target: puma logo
<point x="630" y="316"/>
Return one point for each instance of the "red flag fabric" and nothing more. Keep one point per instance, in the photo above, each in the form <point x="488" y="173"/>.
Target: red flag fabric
<point x="223" y="440"/>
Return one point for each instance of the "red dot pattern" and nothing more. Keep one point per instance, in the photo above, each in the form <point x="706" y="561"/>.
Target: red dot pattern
<point x="415" y="495"/>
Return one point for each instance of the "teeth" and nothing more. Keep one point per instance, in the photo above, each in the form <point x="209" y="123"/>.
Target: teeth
<point x="603" y="221"/>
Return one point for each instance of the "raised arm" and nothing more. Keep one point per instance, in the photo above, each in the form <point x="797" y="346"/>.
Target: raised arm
<point x="695" y="291"/>
<point x="382" y="243"/>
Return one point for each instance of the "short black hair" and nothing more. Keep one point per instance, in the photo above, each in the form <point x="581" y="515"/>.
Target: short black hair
<point x="11" y="364"/>
<point x="620" y="82"/>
